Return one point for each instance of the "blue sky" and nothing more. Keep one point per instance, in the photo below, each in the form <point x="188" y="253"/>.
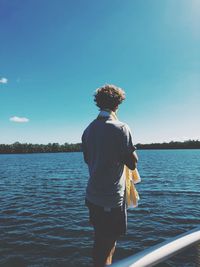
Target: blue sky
<point x="55" y="53"/>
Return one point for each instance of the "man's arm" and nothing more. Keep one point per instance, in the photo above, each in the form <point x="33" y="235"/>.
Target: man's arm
<point x="84" y="149"/>
<point x="131" y="160"/>
<point x="85" y="157"/>
<point x="130" y="157"/>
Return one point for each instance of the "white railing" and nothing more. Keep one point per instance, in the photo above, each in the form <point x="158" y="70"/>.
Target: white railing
<point x="163" y="251"/>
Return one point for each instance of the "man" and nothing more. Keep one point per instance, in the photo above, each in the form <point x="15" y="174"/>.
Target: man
<point x="107" y="147"/>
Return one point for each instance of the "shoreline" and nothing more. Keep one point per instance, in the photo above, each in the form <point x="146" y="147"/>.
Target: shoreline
<point x="28" y="148"/>
<point x="56" y="152"/>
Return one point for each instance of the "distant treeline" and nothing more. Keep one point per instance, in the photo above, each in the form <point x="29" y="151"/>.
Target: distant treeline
<point x="189" y="144"/>
<point x="56" y="147"/>
<point x="38" y="148"/>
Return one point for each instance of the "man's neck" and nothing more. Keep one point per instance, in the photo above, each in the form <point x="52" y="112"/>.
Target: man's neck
<point x="107" y="113"/>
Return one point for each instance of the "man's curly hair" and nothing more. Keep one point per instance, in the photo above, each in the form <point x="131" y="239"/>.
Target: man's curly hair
<point x="109" y="97"/>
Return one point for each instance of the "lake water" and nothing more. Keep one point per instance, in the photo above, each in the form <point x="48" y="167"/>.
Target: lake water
<point x="43" y="220"/>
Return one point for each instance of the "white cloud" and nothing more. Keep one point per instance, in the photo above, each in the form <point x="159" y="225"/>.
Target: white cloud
<point x="3" y="80"/>
<point x="19" y="119"/>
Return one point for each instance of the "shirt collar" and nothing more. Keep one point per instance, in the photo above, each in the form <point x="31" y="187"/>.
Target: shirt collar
<point x="107" y="114"/>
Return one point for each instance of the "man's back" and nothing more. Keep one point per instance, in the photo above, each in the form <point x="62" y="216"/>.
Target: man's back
<point x="105" y="142"/>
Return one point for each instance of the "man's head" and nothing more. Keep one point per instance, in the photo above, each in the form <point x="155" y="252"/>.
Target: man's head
<point x="109" y="97"/>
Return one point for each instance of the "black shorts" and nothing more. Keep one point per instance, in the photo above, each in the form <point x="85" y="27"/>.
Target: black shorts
<point x="109" y="224"/>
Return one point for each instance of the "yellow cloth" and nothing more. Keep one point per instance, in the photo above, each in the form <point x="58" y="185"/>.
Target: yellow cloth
<point x="132" y="195"/>
<point x="132" y="177"/>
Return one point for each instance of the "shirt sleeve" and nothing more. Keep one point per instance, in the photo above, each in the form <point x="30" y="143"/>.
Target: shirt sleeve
<point x="127" y="147"/>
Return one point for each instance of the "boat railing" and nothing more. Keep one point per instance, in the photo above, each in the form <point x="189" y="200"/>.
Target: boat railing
<point x="163" y="251"/>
